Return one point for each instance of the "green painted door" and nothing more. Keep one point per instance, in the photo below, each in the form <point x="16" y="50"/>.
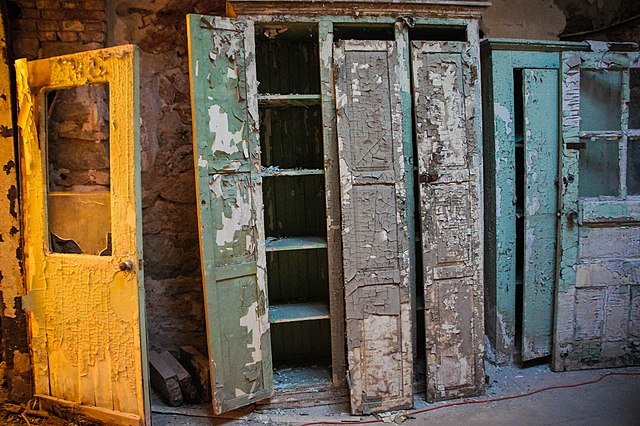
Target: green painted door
<point x="540" y="102"/>
<point x="229" y="185"/>
<point x="598" y="295"/>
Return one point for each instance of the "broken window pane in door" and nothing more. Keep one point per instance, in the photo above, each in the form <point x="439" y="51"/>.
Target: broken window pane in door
<point x="78" y="174"/>
<point x="600" y="100"/>
<point x="599" y="171"/>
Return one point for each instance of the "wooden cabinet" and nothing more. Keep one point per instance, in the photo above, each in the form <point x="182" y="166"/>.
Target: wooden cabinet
<point x="319" y="156"/>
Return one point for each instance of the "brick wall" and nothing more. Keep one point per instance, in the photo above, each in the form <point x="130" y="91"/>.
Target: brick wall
<point x="44" y="28"/>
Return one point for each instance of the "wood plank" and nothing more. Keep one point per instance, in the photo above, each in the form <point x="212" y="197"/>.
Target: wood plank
<point x="198" y="366"/>
<point x="294" y="312"/>
<point x="374" y="228"/>
<point x="332" y="206"/>
<point x="188" y="388"/>
<point x="164" y="380"/>
<point x="79" y="413"/>
<point x="295" y="243"/>
<point x="540" y="89"/>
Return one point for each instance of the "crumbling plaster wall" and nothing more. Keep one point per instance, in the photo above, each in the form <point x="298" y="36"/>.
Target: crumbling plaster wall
<point x="612" y="20"/>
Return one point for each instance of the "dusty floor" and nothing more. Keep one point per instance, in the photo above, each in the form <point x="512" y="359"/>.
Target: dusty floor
<point x="613" y="400"/>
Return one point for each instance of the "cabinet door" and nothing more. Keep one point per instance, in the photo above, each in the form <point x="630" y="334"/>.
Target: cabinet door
<point x="229" y="186"/>
<point x="374" y="231"/>
<point x="540" y="88"/>
<point x="444" y="79"/>
<point x="86" y="323"/>
<point x="598" y="296"/>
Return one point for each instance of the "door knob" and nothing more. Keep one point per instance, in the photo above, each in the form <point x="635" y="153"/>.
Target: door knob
<point x="571" y="215"/>
<point x="127" y="265"/>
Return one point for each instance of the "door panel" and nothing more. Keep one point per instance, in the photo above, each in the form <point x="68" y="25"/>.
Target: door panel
<point x="375" y="240"/>
<point x="448" y="166"/>
<point x="229" y="186"/>
<point x="86" y="317"/>
<point x="540" y="88"/>
<point x="597" y="295"/>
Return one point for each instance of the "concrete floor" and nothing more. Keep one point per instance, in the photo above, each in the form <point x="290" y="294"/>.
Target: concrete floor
<point x="615" y="400"/>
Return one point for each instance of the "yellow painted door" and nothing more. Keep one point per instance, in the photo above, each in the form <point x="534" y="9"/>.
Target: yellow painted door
<point x="78" y="121"/>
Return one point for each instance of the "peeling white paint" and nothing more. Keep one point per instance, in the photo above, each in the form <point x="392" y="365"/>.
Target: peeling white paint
<point x="251" y="323"/>
<point x="224" y="141"/>
<point x="504" y="114"/>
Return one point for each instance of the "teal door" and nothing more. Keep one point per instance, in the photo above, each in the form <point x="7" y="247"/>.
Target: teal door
<point x="598" y="298"/>
<point x="540" y="164"/>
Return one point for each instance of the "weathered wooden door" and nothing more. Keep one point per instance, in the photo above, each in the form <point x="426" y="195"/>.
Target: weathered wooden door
<point x="598" y="295"/>
<point x="540" y="170"/>
<point x="86" y="308"/>
<point x="229" y="186"/>
<point x="445" y="105"/>
<point x="374" y="228"/>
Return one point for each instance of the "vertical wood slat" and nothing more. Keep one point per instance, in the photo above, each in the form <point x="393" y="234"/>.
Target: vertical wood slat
<point x="540" y="89"/>
<point x="14" y="341"/>
<point x="332" y="196"/>
<point x="374" y="231"/>
<point x="445" y="103"/>
<point x="229" y="187"/>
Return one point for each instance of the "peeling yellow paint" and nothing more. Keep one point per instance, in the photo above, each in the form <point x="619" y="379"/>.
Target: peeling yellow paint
<point x="93" y="351"/>
<point x="11" y="283"/>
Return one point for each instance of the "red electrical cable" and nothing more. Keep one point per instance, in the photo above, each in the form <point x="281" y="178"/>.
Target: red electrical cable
<point x="477" y="401"/>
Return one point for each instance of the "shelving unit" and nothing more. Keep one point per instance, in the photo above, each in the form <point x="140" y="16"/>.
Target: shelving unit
<point x="291" y="139"/>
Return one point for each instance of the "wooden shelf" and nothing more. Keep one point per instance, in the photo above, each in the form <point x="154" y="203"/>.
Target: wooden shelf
<point x="295" y="243"/>
<point x="295" y="312"/>
<point x="268" y="100"/>
<point x="272" y="171"/>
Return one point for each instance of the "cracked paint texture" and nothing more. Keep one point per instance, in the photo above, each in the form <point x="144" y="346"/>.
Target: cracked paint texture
<point x="229" y="186"/>
<point x="599" y="277"/>
<point x="444" y="80"/>
<point x="13" y="374"/>
<point x="375" y="241"/>
<point x="86" y="315"/>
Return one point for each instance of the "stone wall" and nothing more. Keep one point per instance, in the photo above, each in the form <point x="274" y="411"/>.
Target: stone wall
<point x="175" y="306"/>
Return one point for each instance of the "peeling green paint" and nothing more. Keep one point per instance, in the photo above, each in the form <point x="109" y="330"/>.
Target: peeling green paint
<point x="229" y="184"/>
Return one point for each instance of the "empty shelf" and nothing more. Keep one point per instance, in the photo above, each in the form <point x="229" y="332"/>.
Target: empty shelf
<point x="295" y="243"/>
<point x="277" y="171"/>
<point x="288" y="100"/>
<point x="298" y="312"/>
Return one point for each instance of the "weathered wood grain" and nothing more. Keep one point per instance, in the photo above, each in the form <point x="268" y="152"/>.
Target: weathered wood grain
<point x="445" y="104"/>
<point x="375" y="240"/>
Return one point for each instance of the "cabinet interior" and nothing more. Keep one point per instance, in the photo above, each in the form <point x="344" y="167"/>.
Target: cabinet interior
<point x="292" y="155"/>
